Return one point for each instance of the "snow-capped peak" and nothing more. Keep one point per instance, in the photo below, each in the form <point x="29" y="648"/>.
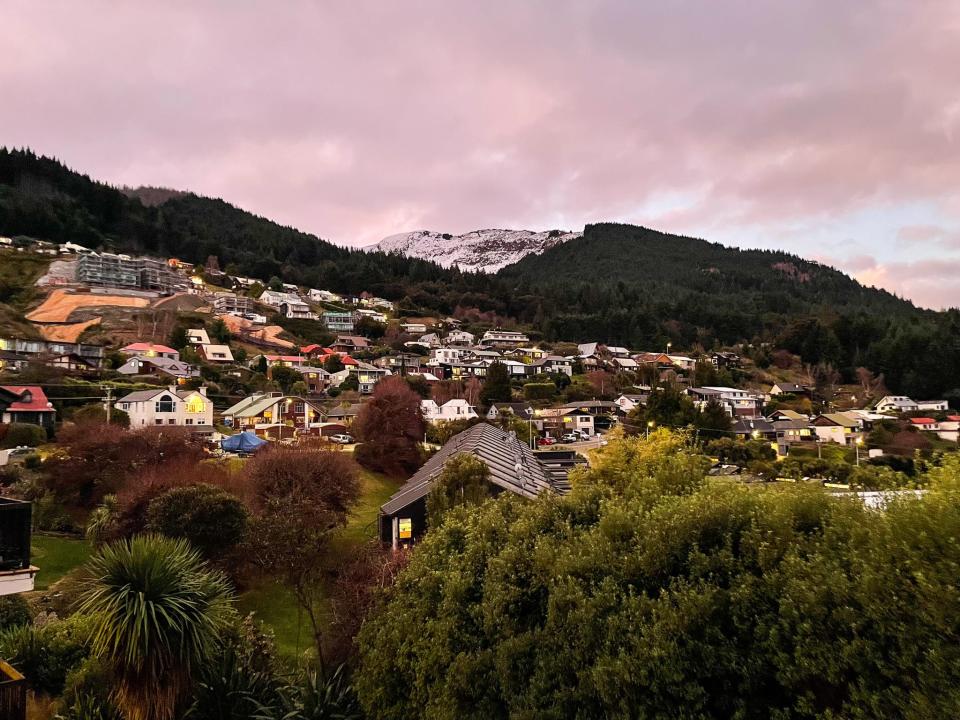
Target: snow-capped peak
<point x="484" y="250"/>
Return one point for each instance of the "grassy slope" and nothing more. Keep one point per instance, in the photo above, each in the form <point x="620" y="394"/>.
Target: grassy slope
<point x="18" y="274"/>
<point x="56" y="557"/>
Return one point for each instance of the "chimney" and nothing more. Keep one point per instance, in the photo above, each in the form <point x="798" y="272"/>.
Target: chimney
<point x="203" y="390"/>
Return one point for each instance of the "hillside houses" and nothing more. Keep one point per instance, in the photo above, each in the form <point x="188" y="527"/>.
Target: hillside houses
<point x="457" y="409"/>
<point x="896" y="404"/>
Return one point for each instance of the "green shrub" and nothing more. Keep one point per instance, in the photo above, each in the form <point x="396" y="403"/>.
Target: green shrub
<point x="86" y="694"/>
<point x="14" y="611"/>
<point x="46" y="653"/>
<point x="539" y="391"/>
<point x="18" y="434"/>
<point x="213" y="520"/>
<point x="32" y="461"/>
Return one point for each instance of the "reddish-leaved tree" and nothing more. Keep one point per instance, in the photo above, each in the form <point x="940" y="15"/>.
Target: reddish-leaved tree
<point x="390" y="427"/>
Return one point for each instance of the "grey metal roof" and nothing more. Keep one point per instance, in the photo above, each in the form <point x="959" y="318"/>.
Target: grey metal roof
<point x="513" y="466"/>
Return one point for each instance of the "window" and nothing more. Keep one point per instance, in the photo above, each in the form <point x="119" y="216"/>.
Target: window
<point x="165" y="404"/>
<point x="158" y="421"/>
<point x="189" y="421"/>
<point x="298" y="407"/>
<point x="171" y="421"/>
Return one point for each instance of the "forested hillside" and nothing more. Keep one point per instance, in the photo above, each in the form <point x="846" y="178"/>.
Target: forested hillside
<point x="618" y="284"/>
<point x="632" y="285"/>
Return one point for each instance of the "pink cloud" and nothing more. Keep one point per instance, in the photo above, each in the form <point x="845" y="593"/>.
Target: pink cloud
<point x="362" y="119"/>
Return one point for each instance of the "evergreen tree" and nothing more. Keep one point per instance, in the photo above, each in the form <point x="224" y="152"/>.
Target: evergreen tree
<point x="496" y="386"/>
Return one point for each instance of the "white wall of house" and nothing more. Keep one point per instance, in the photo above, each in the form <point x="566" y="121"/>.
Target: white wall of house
<point x="166" y="407"/>
<point x="450" y="410"/>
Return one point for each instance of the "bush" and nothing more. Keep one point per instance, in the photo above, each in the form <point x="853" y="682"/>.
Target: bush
<point x="14" y="611"/>
<point x="94" y="412"/>
<point x="213" y="520"/>
<point x="32" y="461"/>
<point x="539" y="391"/>
<point x="18" y="434"/>
<point x="650" y="592"/>
<point x="46" y="653"/>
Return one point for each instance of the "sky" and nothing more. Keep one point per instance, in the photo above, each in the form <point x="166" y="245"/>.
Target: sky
<point x="828" y="129"/>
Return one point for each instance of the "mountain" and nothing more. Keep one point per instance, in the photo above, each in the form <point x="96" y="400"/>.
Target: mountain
<point x="480" y="250"/>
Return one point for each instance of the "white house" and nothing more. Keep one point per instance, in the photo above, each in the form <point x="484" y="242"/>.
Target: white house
<point x="458" y="409"/>
<point x="216" y="353"/>
<point x="275" y="299"/>
<point x="950" y="428"/>
<point x="460" y="337"/>
<point x="439" y="356"/>
<point x="628" y="402"/>
<point x="504" y="337"/>
<point x="198" y="336"/>
<point x="168" y="406"/>
<point x="323" y="296"/>
<point x="429" y="340"/>
<point x="414" y="328"/>
<point x="934" y="405"/>
<point x="895" y="404"/>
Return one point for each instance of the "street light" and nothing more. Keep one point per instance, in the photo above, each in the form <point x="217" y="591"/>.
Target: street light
<point x="650" y="424"/>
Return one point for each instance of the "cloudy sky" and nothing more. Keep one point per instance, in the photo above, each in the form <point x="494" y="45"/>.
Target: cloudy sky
<point x="831" y="129"/>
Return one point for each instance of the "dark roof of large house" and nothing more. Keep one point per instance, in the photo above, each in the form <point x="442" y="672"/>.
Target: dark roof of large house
<point x="747" y="426"/>
<point x="513" y="466"/>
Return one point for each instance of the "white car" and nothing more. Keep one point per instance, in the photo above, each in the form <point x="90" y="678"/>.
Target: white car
<point x="570" y="438"/>
<point x="341" y="439"/>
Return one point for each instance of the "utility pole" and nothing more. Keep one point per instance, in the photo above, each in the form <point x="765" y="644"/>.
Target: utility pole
<point x="107" y="401"/>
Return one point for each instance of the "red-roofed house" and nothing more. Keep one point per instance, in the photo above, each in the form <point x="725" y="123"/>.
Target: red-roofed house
<point x="925" y="423"/>
<point x="314" y="351"/>
<point x="31" y="406"/>
<point x="142" y="349"/>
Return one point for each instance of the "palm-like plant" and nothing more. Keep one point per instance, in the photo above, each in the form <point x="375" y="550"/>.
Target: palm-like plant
<point x="160" y="611"/>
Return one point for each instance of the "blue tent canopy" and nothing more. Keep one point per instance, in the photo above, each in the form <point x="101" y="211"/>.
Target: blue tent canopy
<point x="244" y="442"/>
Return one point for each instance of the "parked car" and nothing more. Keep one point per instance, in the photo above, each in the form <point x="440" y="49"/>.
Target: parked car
<point x="546" y="441"/>
<point x="571" y="437"/>
<point x="341" y="439"/>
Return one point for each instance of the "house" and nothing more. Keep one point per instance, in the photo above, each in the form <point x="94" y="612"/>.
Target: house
<point x="297" y="310"/>
<point x="459" y="337"/>
<point x="754" y="428"/>
<point x="430" y="340"/>
<point x="791" y="431"/>
<point x="216" y="353"/>
<point x="950" y="428"/>
<point x="553" y="364"/>
<point x="513" y="468"/>
<point x="626" y="363"/>
<point x="839" y="428"/>
<point x="932" y="405"/>
<point x="722" y="360"/>
<point x="925" y="423"/>
<point x="367" y="375"/>
<point x="344" y="413"/>
<point x="527" y="355"/>
<point x="317" y="379"/>
<point x="71" y="362"/>
<point x="274" y="414"/>
<point x="683" y="362"/>
<point x="524" y="411"/>
<point x="615" y="351"/>
<point x="158" y="366"/>
<point x="12" y="361"/>
<point x="457" y="409"/>
<point x="323" y="296"/>
<point x="400" y="363"/>
<point x="504" y="338"/>
<point x="198" y="336"/>
<point x="277" y="299"/>
<point x="785" y="388"/>
<point x="228" y="303"/>
<point x="30" y="406"/>
<point x="350" y="343"/>
<point x="143" y="349"/>
<point x="340" y="321"/>
<point x="895" y="404"/>
<point x="630" y="401"/>
<point x="16" y="576"/>
<point x="380" y="317"/>
<point x="445" y="355"/>
<point x="738" y="403"/>
<point x="555" y="422"/>
<point x="788" y="415"/>
<point x="296" y="362"/>
<point x="168" y="406"/>
<point x="414" y="328"/>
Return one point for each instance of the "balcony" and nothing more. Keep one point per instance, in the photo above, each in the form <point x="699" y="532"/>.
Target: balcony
<point x="16" y="572"/>
<point x="13" y="693"/>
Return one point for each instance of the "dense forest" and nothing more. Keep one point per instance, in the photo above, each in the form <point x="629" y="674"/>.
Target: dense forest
<point x="620" y="284"/>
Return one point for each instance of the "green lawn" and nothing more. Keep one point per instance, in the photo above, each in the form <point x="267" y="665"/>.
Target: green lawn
<point x="56" y="557"/>
<point x="275" y="605"/>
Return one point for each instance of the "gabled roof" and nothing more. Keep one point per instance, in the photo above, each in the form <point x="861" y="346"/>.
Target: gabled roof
<point x="31" y="398"/>
<point x="841" y="419"/>
<point x="513" y="466"/>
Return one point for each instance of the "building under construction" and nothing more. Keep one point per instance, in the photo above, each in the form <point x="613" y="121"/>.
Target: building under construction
<point x="123" y="271"/>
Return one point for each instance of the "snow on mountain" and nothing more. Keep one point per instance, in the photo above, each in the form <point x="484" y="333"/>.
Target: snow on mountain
<point x="484" y="250"/>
